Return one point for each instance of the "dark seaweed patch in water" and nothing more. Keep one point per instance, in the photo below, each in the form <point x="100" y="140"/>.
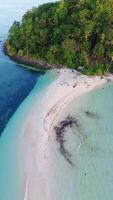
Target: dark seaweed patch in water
<point x="60" y="130"/>
<point x="91" y="114"/>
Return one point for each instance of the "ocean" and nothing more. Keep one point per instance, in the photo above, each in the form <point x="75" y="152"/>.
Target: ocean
<point x="16" y="83"/>
<point x="89" y="144"/>
<point x="11" y="180"/>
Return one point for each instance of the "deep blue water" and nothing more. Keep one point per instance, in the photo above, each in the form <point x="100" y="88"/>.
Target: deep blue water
<point x="16" y="83"/>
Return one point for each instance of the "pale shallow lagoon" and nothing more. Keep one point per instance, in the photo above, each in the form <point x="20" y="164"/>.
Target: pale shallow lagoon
<point x="91" y="146"/>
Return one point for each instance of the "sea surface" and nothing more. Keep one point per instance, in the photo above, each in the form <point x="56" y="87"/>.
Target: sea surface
<point x="19" y="89"/>
<point x="89" y="144"/>
<point x="16" y="82"/>
<point x="11" y="180"/>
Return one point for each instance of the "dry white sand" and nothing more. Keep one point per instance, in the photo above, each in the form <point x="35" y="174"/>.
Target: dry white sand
<point x="38" y="131"/>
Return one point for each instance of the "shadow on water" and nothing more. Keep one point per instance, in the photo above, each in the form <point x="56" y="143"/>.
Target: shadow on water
<point x="91" y="114"/>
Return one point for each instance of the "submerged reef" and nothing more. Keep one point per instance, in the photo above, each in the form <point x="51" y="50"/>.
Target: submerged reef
<point x="60" y="132"/>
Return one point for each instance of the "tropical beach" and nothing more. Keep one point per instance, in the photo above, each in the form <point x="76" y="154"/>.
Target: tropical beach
<point x="49" y="149"/>
<point x="39" y="140"/>
<point x="56" y="100"/>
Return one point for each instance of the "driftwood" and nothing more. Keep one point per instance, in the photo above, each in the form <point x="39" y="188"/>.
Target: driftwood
<point x="60" y="136"/>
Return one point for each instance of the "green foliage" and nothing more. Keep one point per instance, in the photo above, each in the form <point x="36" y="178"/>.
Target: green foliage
<point x="70" y="32"/>
<point x="20" y="52"/>
<point x="69" y="48"/>
<point x="98" y="50"/>
<point x="53" y="55"/>
<point x="12" y="51"/>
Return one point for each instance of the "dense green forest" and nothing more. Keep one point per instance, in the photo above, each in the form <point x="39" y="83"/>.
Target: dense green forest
<point x="68" y="32"/>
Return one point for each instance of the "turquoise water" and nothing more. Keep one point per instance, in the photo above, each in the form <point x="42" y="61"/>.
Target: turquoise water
<point x="11" y="186"/>
<point x="15" y="85"/>
<point x="95" y="158"/>
<point x="91" y="147"/>
<point x="12" y="90"/>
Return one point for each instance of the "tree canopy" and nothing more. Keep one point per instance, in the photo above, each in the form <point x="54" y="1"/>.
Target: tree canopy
<point x="69" y="32"/>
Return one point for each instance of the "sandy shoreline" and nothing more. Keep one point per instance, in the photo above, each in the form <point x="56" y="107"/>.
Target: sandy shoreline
<point x="38" y="131"/>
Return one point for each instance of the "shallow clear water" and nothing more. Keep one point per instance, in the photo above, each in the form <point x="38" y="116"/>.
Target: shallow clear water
<point x="11" y="182"/>
<point x="91" y="146"/>
<point x="96" y="152"/>
<point x="15" y="85"/>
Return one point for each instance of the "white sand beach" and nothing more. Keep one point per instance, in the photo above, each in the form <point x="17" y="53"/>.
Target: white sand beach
<point x="39" y="137"/>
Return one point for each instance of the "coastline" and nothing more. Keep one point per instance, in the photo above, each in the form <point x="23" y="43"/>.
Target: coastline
<point x="39" y="138"/>
<point x="31" y="63"/>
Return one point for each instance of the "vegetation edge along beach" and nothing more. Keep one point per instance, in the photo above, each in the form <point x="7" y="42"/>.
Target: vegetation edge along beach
<point x="65" y="33"/>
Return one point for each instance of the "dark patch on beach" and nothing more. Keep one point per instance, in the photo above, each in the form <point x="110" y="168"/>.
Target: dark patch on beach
<point x="109" y="80"/>
<point x="74" y="85"/>
<point x="60" y="130"/>
<point x="102" y="77"/>
<point x="91" y="115"/>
